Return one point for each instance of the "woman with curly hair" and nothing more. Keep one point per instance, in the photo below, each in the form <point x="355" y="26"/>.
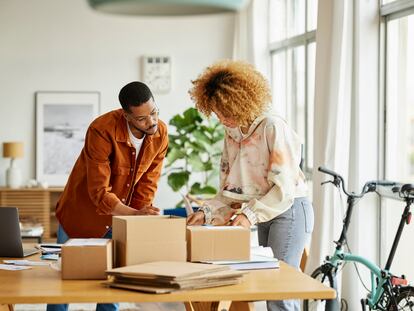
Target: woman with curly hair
<point x="260" y="180"/>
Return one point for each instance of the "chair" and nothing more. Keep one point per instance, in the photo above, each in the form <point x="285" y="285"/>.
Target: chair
<point x="304" y="259"/>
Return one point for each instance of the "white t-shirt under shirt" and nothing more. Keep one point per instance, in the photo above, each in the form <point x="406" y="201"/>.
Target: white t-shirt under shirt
<point x="136" y="142"/>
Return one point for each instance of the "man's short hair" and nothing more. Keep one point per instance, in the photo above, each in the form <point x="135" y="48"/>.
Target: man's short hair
<point x="134" y="94"/>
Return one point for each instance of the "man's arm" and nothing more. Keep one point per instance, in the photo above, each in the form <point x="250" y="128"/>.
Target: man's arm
<point x="97" y="150"/>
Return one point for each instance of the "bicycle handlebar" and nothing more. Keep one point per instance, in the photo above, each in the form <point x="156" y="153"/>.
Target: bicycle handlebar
<point x="329" y="172"/>
<point x="369" y="186"/>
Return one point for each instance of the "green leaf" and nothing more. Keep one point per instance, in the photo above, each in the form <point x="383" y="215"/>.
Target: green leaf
<point x="174" y="154"/>
<point x="177" y="121"/>
<point x="197" y="189"/>
<point x="196" y="146"/>
<point x="178" y="180"/>
<point x="208" y="166"/>
<point x="196" y="164"/>
<point x="199" y="135"/>
<point x="191" y="115"/>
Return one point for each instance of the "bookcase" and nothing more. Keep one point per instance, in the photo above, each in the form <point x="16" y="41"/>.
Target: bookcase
<point x="34" y="203"/>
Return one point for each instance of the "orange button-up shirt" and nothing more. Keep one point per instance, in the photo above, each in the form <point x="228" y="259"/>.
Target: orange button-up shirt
<point x="107" y="172"/>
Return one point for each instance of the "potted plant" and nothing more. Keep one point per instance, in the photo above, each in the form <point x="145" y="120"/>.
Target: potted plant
<point x="193" y="157"/>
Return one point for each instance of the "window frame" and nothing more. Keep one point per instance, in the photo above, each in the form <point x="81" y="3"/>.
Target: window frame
<point x="283" y="46"/>
<point x="388" y="12"/>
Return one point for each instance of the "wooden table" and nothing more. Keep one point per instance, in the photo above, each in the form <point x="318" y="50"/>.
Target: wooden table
<point x="41" y="284"/>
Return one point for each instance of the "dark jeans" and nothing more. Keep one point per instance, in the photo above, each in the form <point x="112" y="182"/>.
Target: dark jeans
<point x="62" y="237"/>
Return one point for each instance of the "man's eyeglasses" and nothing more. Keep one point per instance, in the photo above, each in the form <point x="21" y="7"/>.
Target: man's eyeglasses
<point x="141" y="119"/>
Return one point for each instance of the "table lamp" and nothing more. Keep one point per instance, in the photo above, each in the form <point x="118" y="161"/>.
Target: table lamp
<point x="13" y="150"/>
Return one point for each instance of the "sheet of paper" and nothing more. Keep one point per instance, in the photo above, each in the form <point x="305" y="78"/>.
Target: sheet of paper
<point x="13" y="267"/>
<point x="255" y="265"/>
<point x="50" y="257"/>
<point x="253" y="259"/>
<point x="26" y="262"/>
<point x="50" y="250"/>
<point x="86" y="242"/>
<point x="261" y="251"/>
<point x="50" y="245"/>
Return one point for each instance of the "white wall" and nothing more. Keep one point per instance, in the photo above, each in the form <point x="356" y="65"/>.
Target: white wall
<point x="58" y="45"/>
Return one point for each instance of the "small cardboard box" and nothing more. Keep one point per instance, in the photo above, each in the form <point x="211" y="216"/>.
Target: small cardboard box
<point x="86" y="259"/>
<point x="218" y="243"/>
<point x="140" y="239"/>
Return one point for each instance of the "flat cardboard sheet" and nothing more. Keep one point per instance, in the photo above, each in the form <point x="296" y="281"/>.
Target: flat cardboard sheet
<point x="168" y="269"/>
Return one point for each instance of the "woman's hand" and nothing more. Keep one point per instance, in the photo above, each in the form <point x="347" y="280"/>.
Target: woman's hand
<point x="241" y="220"/>
<point x="196" y="218"/>
<point x="235" y="205"/>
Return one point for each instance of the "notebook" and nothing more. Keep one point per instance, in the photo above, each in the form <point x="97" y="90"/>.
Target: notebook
<point x="10" y="238"/>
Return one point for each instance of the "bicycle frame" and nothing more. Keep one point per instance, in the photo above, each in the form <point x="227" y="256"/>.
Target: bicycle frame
<point x="380" y="278"/>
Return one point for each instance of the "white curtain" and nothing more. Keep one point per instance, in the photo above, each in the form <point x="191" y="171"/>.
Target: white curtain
<point x="346" y="130"/>
<point x="250" y="36"/>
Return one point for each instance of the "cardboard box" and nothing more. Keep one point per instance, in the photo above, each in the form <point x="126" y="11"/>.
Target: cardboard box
<point x="217" y="243"/>
<point x="140" y="239"/>
<point x="86" y="259"/>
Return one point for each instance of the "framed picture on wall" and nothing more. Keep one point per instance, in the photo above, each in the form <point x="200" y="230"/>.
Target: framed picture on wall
<point x="62" y="119"/>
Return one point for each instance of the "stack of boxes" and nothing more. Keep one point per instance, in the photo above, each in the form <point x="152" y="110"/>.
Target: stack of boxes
<point x="140" y="239"/>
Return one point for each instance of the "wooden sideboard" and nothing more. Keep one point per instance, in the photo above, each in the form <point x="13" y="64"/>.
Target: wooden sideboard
<point x="35" y="203"/>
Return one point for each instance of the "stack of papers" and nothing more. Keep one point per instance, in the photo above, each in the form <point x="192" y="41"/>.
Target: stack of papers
<point x="167" y="276"/>
<point x="25" y="262"/>
<point x="50" y="251"/>
<point x="260" y="258"/>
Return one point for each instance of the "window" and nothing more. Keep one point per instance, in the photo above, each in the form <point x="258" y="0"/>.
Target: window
<point x="292" y="30"/>
<point x="398" y="19"/>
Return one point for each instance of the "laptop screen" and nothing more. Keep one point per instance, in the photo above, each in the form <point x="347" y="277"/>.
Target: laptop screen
<point x="10" y="239"/>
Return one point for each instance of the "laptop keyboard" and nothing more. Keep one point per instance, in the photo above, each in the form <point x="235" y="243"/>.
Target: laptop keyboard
<point x="30" y="251"/>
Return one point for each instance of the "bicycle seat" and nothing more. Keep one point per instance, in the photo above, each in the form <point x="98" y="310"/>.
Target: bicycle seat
<point x="407" y="190"/>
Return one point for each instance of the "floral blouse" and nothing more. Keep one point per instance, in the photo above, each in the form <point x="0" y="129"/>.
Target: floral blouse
<point x="260" y="170"/>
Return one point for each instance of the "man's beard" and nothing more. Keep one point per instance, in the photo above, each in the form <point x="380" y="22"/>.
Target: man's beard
<point x="146" y="130"/>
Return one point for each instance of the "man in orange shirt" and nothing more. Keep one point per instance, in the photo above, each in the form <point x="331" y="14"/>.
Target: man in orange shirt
<point x="117" y="171"/>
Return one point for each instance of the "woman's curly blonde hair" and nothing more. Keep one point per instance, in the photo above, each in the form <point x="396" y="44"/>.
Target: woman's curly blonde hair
<point x="234" y="88"/>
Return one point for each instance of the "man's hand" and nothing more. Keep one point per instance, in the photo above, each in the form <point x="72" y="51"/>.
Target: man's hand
<point x="123" y="210"/>
<point x="241" y="220"/>
<point x="196" y="218"/>
<point x="148" y="210"/>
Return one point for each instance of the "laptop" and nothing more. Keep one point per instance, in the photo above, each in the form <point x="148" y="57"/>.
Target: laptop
<point x="10" y="238"/>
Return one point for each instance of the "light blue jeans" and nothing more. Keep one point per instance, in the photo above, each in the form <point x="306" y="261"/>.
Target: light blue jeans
<point x="62" y="237"/>
<point x="287" y="235"/>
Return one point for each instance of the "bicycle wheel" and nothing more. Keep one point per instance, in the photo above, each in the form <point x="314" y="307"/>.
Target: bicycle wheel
<point x="404" y="298"/>
<point x="321" y="305"/>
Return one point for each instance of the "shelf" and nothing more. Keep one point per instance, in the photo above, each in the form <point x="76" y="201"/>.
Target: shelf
<point x="37" y="203"/>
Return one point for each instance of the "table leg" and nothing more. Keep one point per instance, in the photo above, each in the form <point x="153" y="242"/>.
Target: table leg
<point x="242" y="306"/>
<point x="6" y="307"/>
<point x="219" y="306"/>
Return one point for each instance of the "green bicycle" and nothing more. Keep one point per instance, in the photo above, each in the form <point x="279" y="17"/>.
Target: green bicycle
<point x="388" y="292"/>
